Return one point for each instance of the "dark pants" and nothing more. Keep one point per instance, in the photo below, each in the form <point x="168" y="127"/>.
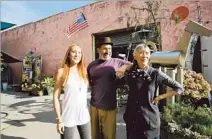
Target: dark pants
<point x="84" y="132"/>
<point x="138" y="128"/>
<point x="135" y="130"/>
<point x="137" y="133"/>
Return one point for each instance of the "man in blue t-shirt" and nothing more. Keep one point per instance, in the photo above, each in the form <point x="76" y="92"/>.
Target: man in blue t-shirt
<point x="102" y="79"/>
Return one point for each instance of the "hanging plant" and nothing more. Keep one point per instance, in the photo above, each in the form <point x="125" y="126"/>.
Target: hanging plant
<point x="1" y="63"/>
<point x="177" y="18"/>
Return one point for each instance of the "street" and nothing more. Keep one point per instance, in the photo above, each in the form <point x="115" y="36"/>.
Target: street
<point x="30" y="117"/>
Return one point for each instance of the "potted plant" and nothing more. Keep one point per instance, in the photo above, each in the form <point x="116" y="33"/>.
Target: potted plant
<point x="4" y="85"/>
<point x="37" y="89"/>
<point x="25" y="86"/>
<point x="48" y="83"/>
<point x="4" y="77"/>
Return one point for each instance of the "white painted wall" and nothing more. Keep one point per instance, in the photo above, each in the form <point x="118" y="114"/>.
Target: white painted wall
<point x="190" y="53"/>
<point x="206" y="44"/>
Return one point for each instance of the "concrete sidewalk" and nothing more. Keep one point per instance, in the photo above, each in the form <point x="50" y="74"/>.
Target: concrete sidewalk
<point x="29" y="117"/>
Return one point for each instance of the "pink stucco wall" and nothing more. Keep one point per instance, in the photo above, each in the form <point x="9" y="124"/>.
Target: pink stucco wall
<point x="172" y="32"/>
<point x="48" y="35"/>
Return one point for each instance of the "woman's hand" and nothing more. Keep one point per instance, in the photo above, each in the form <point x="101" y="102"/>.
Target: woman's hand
<point x="156" y="100"/>
<point x="60" y="127"/>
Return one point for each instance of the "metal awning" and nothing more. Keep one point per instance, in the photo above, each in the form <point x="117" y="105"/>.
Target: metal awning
<point x="6" y="25"/>
<point x="7" y="58"/>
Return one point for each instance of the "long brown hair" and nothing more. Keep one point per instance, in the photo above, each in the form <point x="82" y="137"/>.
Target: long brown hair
<point x="66" y="65"/>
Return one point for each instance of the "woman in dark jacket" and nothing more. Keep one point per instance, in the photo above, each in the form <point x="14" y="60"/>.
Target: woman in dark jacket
<point x="142" y="115"/>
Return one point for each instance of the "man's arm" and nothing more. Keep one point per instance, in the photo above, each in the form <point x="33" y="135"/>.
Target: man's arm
<point x="89" y="75"/>
<point x="124" y="66"/>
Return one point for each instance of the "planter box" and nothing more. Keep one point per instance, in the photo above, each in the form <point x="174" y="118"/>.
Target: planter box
<point x="50" y="90"/>
<point x="4" y="86"/>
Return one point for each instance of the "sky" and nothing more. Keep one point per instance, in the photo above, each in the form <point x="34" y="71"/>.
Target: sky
<point x="23" y="12"/>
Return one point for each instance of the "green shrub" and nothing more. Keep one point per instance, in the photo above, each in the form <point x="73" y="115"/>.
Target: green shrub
<point x="188" y="122"/>
<point x="48" y="82"/>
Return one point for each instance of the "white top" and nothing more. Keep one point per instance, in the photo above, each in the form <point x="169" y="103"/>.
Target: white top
<point x="74" y="102"/>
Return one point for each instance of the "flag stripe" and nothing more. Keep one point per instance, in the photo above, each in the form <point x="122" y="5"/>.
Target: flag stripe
<point x="76" y="31"/>
<point x="72" y="26"/>
<point x="79" y="27"/>
<point x="71" y="33"/>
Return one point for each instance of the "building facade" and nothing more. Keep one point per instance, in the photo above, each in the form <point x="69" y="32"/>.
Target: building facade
<point x="49" y="38"/>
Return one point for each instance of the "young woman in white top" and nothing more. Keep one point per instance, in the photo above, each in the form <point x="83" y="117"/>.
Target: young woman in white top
<point x="73" y="111"/>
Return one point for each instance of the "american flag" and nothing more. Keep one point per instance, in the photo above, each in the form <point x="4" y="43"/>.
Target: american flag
<point x="78" y="25"/>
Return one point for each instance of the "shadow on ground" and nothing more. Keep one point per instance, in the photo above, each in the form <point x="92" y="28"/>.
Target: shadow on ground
<point x="40" y="111"/>
<point x="10" y="137"/>
<point x="46" y="117"/>
<point x="22" y="103"/>
<point x="16" y="94"/>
